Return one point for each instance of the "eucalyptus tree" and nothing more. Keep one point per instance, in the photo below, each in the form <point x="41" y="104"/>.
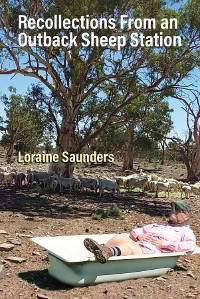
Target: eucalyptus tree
<point x="148" y="119"/>
<point x="82" y="75"/>
<point x="25" y="124"/>
<point x="1" y="124"/>
<point x="189" y="146"/>
<point x="158" y="124"/>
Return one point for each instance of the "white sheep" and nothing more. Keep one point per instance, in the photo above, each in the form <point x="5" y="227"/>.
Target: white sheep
<point x="41" y="177"/>
<point x="89" y="183"/>
<point x="173" y="184"/>
<point x="20" y="178"/>
<point x="105" y="184"/>
<point x="76" y="184"/>
<point x="9" y="177"/>
<point x="121" y="181"/>
<point x="162" y="186"/>
<point x="147" y="185"/>
<point x="187" y="190"/>
<point x="66" y="183"/>
<point x="195" y="188"/>
<point x="153" y="186"/>
<point x="30" y="177"/>
<point x="181" y="184"/>
<point x="52" y="183"/>
<point x="137" y="182"/>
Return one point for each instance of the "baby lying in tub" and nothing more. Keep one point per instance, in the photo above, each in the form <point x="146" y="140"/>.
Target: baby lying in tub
<point x="175" y="235"/>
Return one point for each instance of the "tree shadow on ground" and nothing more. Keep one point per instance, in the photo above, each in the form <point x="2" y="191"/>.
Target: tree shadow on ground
<point x="78" y="205"/>
<point x="43" y="280"/>
<point x="180" y="268"/>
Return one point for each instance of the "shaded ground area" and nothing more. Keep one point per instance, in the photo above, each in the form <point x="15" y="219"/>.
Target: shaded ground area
<point x="24" y="214"/>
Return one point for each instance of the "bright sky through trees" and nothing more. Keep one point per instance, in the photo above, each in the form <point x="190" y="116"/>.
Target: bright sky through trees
<point x="22" y="83"/>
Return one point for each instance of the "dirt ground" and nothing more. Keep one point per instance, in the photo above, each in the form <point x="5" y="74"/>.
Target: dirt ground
<point x="24" y="214"/>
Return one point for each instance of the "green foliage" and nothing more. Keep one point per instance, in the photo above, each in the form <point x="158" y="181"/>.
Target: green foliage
<point x="1" y="119"/>
<point x="173" y="152"/>
<point x="191" y="12"/>
<point x="90" y="87"/>
<point x="47" y="144"/>
<point x="111" y="140"/>
<point x="113" y="211"/>
<point x="25" y="123"/>
<point x="145" y="147"/>
<point x="151" y="116"/>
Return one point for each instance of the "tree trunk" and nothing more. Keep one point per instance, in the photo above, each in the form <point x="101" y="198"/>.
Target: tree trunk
<point x="11" y="146"/>
<point x="129" y="149"/>
<point x="66" y="142"/>
<point x="192" y="163"/>
<point x="10" y="150"/>
<point x="163" y="154"/>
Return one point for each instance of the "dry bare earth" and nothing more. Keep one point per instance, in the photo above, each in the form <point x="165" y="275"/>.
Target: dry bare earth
<point x="24" y="214"/>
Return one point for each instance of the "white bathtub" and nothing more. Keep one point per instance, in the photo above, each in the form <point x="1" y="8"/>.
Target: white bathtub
<point x="71" y="263"/>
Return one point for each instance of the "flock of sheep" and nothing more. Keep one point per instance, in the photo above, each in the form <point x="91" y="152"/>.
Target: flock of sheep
<point x="153" y="183"/>
<point x="52" y="182"/>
